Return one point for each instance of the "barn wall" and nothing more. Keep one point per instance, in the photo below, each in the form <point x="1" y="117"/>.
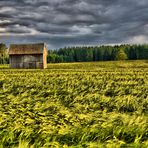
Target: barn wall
<point x="45" y="57"/>
<point x="16" y="61"/>
<point x="26" y="61"/>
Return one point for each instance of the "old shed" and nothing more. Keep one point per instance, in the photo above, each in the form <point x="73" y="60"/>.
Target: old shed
<point x="28" y="55"/>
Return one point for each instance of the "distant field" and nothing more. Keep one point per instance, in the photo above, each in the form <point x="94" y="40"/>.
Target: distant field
<point x="94" y="104"/>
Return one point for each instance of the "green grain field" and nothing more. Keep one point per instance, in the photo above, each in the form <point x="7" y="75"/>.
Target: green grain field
<point x="76" y="105"/>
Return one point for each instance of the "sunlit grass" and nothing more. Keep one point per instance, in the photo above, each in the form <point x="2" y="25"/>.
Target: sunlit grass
<point x="94" y="104"/>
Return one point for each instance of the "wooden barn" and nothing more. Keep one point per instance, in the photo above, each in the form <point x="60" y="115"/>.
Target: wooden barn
<point x="28" y="56"/>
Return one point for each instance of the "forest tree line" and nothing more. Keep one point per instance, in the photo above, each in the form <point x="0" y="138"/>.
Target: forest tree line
<point x="98" y="53"/>
<point x="88" y="54"/>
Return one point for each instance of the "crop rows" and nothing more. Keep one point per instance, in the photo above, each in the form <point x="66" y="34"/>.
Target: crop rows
<point x="75" y="105"/>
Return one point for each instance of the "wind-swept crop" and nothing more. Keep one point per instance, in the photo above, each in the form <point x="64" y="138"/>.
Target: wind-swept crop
<point x="75" y="105"/>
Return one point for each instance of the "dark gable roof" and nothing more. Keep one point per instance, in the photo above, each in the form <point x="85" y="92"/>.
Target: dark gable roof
<point x="26" y="48"/>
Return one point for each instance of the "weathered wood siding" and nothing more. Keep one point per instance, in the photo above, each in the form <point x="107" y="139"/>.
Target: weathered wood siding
<point x="28" y="55"/>
<point x="45" y="57"/>
<point x="26" y="61"/>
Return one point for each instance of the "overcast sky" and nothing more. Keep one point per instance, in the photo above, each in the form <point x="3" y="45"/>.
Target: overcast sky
<point x="62" y="23"/>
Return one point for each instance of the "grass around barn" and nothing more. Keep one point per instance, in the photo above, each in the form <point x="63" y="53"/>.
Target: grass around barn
<point x="93" y="104"/>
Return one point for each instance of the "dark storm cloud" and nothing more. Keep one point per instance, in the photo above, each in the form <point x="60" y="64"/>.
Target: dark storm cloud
<point x="74" y="22"/>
